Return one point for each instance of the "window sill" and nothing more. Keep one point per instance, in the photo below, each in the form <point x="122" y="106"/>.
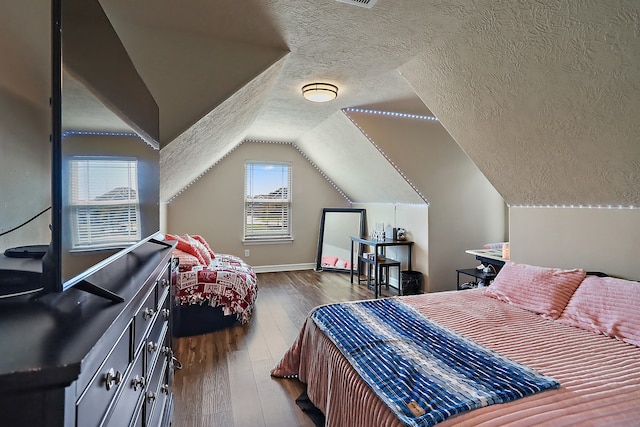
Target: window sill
<point x="267" y="241"/>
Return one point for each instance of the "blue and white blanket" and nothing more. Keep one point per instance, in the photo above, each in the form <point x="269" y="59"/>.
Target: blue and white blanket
<point x="424" y="372"/>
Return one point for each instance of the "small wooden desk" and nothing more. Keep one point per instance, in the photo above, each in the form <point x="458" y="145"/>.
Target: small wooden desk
<point x="378" y="249"/>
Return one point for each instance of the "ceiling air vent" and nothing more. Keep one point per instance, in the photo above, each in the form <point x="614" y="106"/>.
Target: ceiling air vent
<point x="364" y="3"/>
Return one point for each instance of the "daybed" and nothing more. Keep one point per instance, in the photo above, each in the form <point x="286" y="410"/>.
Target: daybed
<point x="576" y="337"/>
<point x="212" y="291"/>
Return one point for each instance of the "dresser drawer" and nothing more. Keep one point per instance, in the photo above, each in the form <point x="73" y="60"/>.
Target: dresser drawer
<point x="164" y="282"/>
<point x="156" y="393"/>
<point x="155" y="418"/>
<point x="144" y="317"/>
<point x="94" y="402"/>
<point x="130" y="397"/>
<point x="138" y="421"/>
<point x="157" y="333"/>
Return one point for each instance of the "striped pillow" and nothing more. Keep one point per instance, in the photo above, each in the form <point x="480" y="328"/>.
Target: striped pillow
<point x="608" y="306"/>
<point x="545" y="291"/>
<point x="186" y="261"/>
<point x="201" y="248"/>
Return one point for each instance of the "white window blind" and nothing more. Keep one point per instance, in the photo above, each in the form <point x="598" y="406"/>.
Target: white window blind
<point x="104" y="203"/>
<point x="267" y="201"/>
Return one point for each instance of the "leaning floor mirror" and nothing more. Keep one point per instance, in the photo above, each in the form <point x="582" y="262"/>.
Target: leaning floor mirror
<point x="337" y="225"/>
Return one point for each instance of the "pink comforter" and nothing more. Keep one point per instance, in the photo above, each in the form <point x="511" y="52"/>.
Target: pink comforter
<point x="599" y="376"/>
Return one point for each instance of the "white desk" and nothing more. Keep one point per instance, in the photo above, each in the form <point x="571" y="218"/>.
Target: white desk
<point x="485" y="256"/>
<point x="489" y="256"/>
<point x="492" y="254"/>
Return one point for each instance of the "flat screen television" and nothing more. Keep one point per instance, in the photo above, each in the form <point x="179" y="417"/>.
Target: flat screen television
<point x="105" y="150"/>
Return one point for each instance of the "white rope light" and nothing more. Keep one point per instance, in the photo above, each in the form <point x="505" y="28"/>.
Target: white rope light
<point x="575" y="206"/>
<point x="82" y="132"/>
<point x="264" y="142"/>
<point x="411" y="184"/>
<point x="391" y="114"/>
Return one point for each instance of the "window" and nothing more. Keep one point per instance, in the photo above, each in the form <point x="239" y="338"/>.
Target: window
<point x="104" y="203"/>
<point x="267" y="201"/>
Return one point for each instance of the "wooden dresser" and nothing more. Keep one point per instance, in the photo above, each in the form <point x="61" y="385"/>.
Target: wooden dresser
<point x="76" y="359"/>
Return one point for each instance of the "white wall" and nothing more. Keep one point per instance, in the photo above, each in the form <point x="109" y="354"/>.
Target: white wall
<point x="599" y="239"/>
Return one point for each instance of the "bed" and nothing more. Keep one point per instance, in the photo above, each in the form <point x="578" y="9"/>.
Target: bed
<point x="211" y="291"/>
<point x="581" y="331"/>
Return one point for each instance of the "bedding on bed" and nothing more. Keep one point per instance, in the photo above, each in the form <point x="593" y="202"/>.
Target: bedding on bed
<point x="216" y="280"/>
<point x="425" y="373"/>
<point x="599" y="376"/>
<point x="227" y="282"/>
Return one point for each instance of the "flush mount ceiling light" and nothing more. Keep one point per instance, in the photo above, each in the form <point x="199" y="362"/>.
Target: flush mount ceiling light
<point x="320" y="92"/>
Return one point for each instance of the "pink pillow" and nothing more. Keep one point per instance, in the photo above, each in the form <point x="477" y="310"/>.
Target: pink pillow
<point x="341" y="263"/>
<point x="206" y="245"/>
<point x="186" y="261"/>
<point x="329" y="261"/>
<point x="186" y="246"/>
<point x="545" y="291"/>
<point x="202" y="249"/>
<point x="608" y="306"/>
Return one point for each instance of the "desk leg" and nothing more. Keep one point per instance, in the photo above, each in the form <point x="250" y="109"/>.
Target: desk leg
<point x="376" y="278"/>
<point x="351" y="268"/>
<point x="358" y="262"/>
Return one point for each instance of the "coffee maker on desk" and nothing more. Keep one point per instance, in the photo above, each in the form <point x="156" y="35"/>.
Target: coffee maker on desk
<point x="401" y="234"/>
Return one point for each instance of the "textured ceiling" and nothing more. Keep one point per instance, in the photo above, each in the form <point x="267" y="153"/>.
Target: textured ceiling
<point x="353" y="47"/>
<point x="213" y="136"/>
<point x="542" y="95"/>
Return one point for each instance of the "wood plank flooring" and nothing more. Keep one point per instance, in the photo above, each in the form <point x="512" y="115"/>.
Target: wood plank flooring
<point x="225" y="377"/>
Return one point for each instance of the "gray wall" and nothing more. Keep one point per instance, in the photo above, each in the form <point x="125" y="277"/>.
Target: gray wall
<point x="212" y="206"/>
<point x="599" y="239"/>
<point x="414" y="218"/>
<point x="25" y="125"/>
<point x="465" y="211"/>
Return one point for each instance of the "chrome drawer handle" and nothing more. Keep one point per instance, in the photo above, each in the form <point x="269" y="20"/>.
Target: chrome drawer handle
<point x="148" y="313"/>
<point x="112" y="379"/>
<point x="167" y="351"/>
<point x="165" y="388"/>
<point x="164" y="282"/>
<point x="138" y="382"/>
<point x="166" y="313"/>
<point x="151" y="396"/>
<point x="152" y="346"/>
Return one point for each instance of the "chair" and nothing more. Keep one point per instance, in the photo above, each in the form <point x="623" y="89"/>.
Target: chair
<point x="381" y="276"/>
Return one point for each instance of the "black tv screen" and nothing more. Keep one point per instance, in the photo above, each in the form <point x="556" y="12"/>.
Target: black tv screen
<point x="105" y="149"/>
<point x="109" y="198"/>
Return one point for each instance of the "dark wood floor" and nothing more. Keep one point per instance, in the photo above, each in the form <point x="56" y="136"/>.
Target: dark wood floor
<point x="225" y="377"/>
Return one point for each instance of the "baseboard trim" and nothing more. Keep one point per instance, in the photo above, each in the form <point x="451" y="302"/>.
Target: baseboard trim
<point x="282" y="267"/>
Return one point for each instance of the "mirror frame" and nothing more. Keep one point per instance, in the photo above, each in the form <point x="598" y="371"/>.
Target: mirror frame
<point x="363" y="222"/>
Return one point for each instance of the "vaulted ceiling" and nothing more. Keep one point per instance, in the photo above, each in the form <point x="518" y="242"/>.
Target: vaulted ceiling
<point x="543" y="96"/>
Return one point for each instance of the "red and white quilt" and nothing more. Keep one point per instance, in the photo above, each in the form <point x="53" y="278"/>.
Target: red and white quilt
<point x="227" y="282"/>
